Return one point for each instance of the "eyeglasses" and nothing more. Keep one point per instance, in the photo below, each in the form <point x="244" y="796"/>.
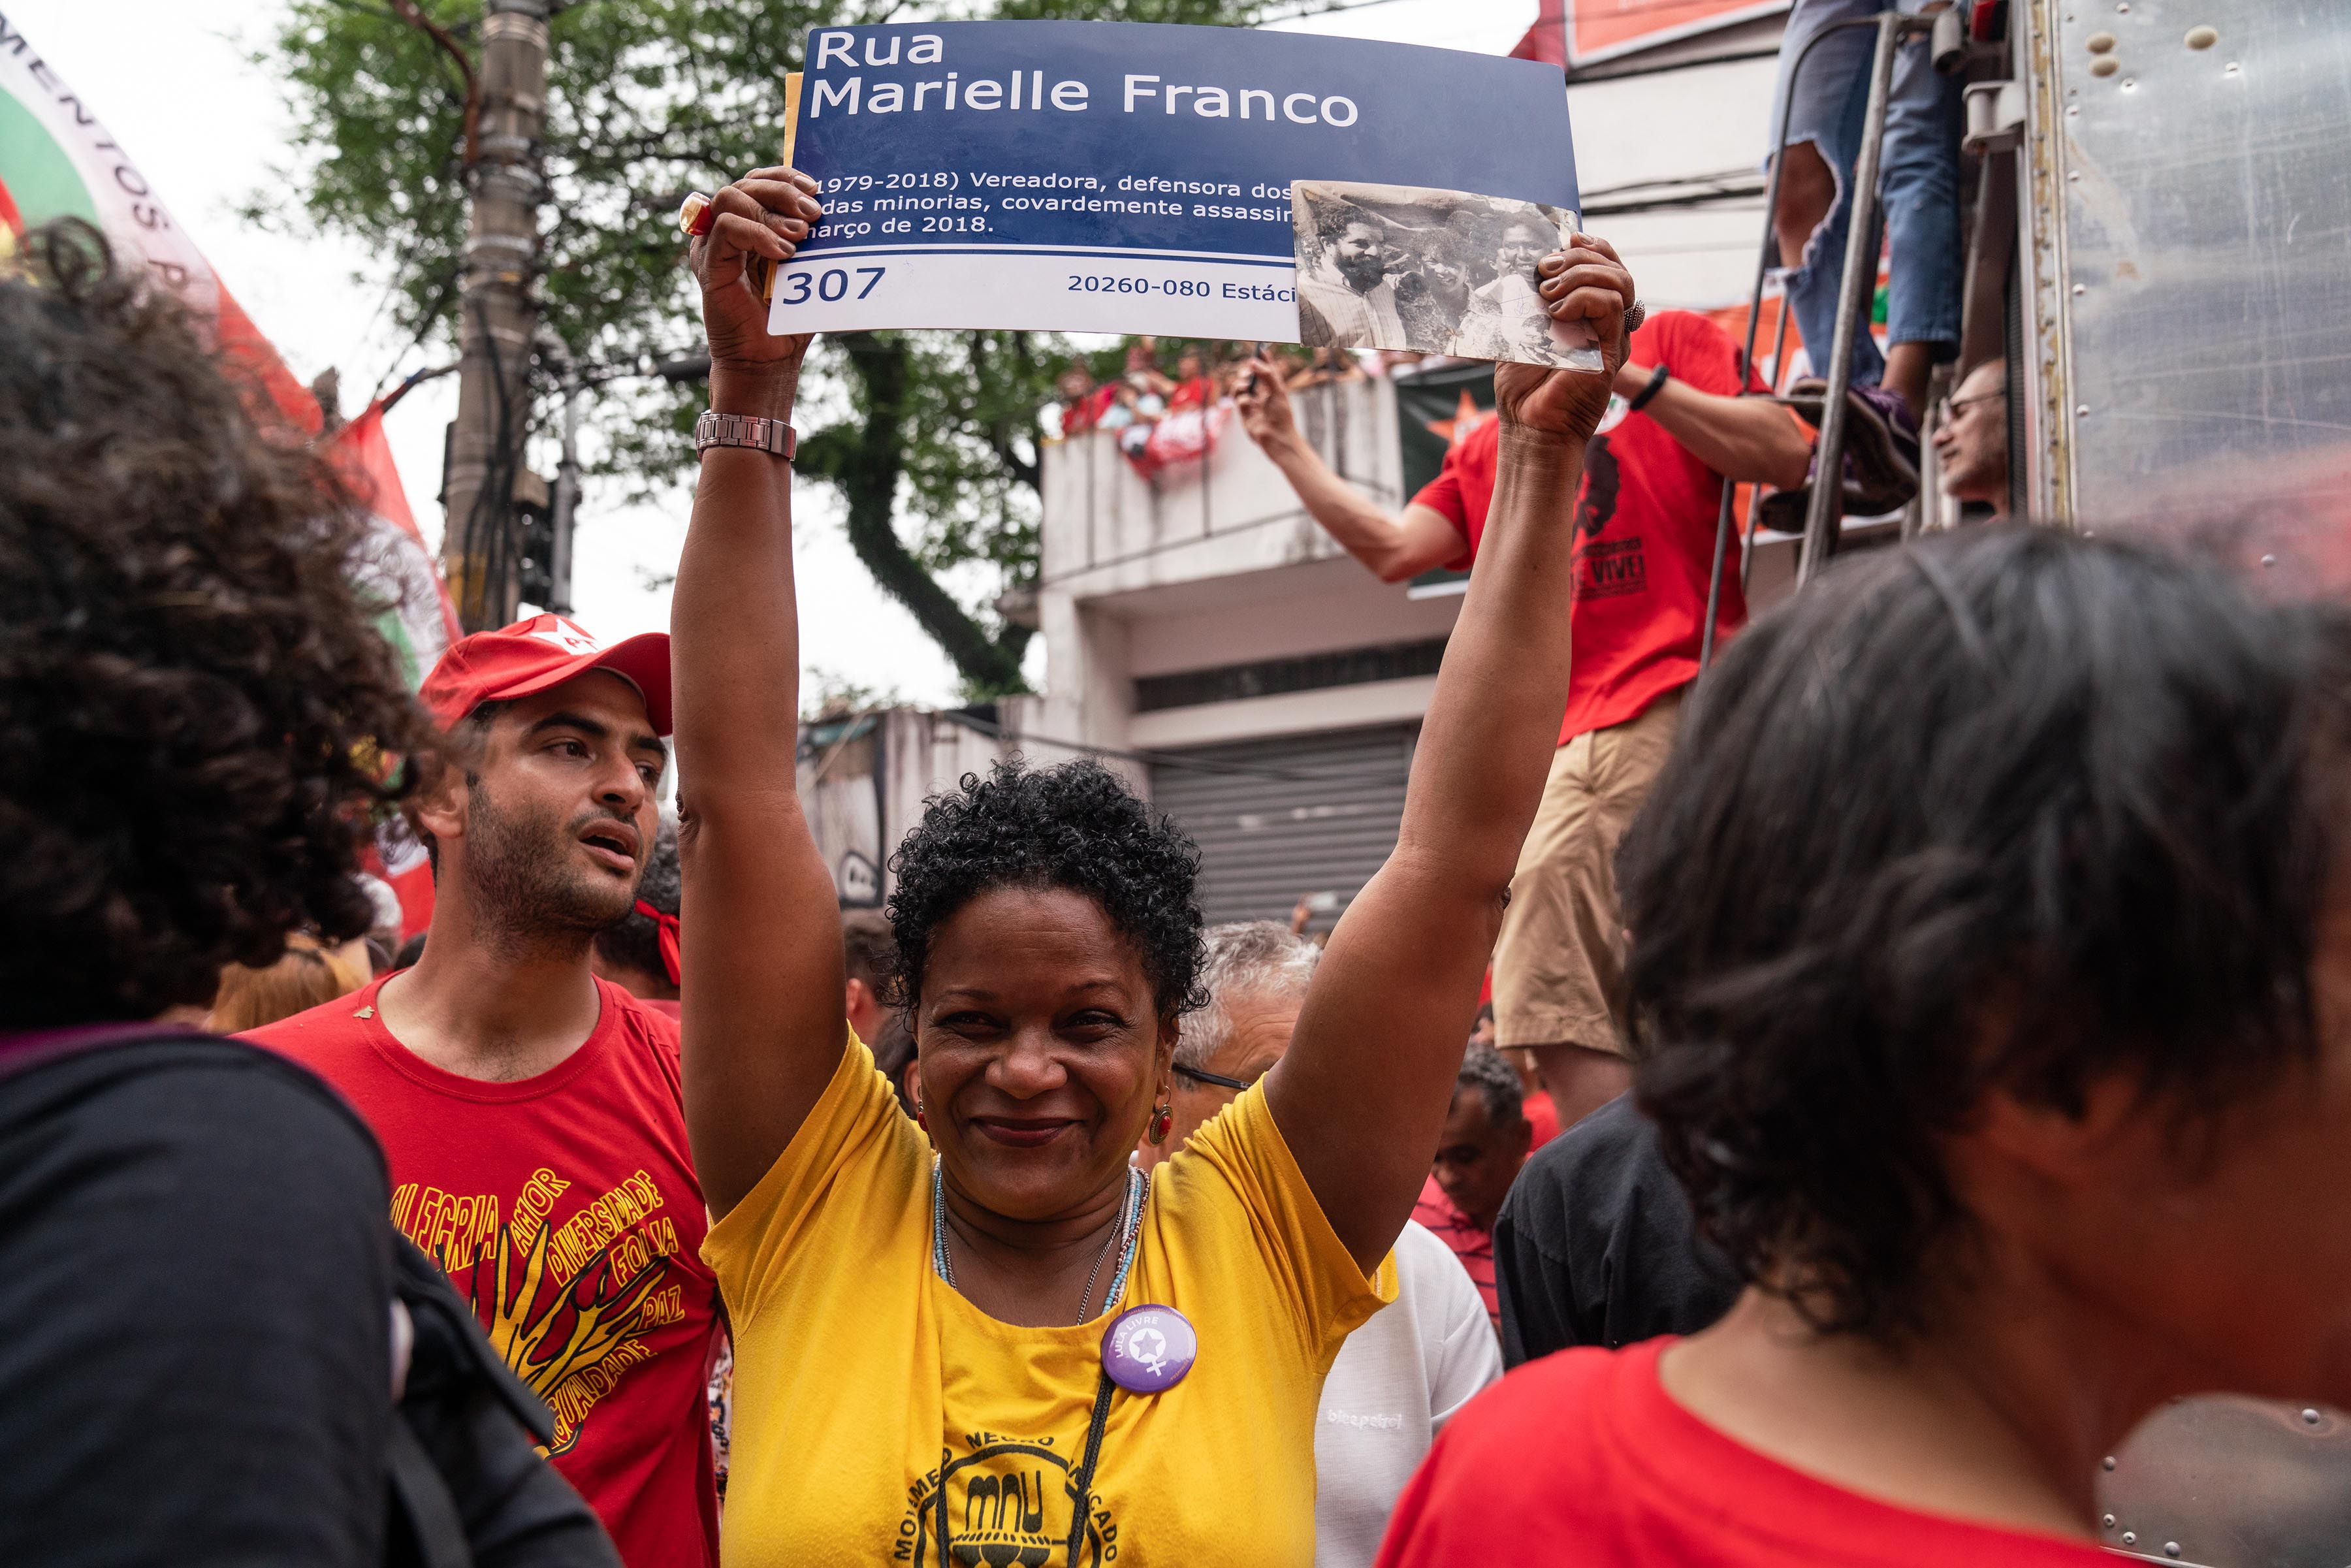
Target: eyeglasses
<point x="1219" y="1079"/>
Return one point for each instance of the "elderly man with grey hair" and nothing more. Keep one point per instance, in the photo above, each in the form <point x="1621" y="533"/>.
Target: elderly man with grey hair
<point x="1403" y="1374"/>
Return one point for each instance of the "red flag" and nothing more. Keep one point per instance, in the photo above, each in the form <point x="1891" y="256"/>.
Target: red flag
<point x="1178" y="437"/>
<point x="57" y="160"/>
<point x="416" y="619"/>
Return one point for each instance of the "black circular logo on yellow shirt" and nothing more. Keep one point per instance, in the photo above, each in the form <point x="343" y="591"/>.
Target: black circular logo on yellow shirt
<point x="1004" y="1501"/>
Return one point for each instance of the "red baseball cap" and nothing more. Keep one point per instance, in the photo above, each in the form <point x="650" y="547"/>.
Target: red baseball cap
<point x="532" y="655"/>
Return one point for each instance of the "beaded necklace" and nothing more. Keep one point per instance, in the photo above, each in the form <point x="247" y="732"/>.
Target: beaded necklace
<point x="1129" y="1232"/>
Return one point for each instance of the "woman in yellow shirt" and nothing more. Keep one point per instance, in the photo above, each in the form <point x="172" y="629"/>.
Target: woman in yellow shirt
<point x="943" y="1352"/>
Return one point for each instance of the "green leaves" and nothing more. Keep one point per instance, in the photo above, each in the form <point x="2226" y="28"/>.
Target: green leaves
<point x="932" y="438"/>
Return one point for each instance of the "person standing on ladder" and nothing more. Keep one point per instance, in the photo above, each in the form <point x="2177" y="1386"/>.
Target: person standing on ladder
<point x="1644" y="522"/>
<point x="1918" y="185"/>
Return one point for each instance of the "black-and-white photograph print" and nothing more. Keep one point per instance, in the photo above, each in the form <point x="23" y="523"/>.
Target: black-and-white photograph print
<point x="1444" y="272"/>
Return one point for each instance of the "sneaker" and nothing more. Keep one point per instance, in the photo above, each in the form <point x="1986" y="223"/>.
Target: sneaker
<point x="1881" y="455"/>
<point x="1785" y="509"/>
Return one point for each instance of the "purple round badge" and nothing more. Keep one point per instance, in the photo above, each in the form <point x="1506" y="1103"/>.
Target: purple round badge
<point x="1148" y="1349"/>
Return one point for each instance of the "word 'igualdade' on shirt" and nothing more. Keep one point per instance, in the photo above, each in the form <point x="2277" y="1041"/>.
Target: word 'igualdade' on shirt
<point x="1019" y="92"/>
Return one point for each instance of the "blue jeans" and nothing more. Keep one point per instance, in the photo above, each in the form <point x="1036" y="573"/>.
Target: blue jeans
<point x="1919" y="183"/>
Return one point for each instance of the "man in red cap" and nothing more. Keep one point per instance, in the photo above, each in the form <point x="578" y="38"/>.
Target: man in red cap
<point x="530" y="1110"/>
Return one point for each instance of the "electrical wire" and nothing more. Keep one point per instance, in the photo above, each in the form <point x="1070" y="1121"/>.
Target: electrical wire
<point x="1602" y="73"/>
<point x="1674" y="182"/>
<point x="487" y="538"/>
<point x="432" y="319"/>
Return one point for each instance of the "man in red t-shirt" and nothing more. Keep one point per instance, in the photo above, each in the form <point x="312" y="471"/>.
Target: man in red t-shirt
<point x="529" y="1110"/>
<point x="1646" y="518"/>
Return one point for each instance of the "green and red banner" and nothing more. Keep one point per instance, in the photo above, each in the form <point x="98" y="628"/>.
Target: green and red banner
<point x="57" y="161"/>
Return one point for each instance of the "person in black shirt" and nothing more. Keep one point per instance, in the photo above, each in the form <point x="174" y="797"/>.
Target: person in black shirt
<point x="1596" y="1246"/>
<point x="196" y="1288"/>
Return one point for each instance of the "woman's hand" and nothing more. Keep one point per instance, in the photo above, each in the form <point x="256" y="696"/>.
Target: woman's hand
<point x="765" y="214"/>
<point x="1585" y="283"/>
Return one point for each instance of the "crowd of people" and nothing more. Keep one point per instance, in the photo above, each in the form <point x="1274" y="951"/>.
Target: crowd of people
<point x="1205" y="375"/>
<point x="1910" y="1058"/>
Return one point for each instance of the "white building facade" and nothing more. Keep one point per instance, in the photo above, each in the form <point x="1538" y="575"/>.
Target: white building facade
<point x="1205" y="633"/>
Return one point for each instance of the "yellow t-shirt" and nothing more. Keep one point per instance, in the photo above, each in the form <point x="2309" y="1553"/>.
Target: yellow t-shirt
<point x="861" y="1378"/>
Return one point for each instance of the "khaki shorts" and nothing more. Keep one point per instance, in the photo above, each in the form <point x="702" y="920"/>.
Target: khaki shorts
<point x="1562" y="953"/>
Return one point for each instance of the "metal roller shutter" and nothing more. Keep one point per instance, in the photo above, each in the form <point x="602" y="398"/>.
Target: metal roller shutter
<point x="1278" y="819"/>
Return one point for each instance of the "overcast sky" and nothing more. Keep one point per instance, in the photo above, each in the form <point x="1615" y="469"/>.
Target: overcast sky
<point x="172" y="80"/>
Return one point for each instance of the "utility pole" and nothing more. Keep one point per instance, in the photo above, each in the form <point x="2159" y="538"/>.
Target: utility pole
<point x="565" y="511"/>
<point x="479" y="552"/>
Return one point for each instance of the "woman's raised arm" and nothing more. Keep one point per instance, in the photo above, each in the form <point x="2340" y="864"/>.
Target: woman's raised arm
<point x="764" y="997"/>
<point x="1362" y="1094"/>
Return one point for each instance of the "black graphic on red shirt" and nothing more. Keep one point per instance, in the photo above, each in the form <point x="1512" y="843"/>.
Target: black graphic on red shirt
<point x="1604" y="567"/>
<point x="1595" y="509"/>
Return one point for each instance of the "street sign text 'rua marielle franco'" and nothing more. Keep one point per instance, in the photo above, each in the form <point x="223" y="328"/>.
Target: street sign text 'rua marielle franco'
<point x="1124" y="177"/>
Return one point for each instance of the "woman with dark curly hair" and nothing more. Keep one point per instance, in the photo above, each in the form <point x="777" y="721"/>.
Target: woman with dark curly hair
<point x="1992" y="979"/>
<point x="195" y="1273"/>
<point x="1001" y="1343"/>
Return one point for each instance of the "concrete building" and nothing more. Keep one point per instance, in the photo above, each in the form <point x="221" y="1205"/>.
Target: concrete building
<point x="1267" y="689"/>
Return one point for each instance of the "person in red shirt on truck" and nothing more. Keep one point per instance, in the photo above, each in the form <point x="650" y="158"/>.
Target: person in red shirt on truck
<point x="1644" y="518"/>
<point x="530" y="1110"/>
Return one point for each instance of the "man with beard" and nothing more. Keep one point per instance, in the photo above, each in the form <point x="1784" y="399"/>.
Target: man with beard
<point x="530" y="1110"/>
<point x="1349" y="287"/>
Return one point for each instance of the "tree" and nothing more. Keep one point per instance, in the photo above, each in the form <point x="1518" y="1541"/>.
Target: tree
<point x="931" y="439"/>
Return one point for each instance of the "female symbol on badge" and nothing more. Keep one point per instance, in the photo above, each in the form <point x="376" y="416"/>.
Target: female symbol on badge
<point x="1148" y="1349"/>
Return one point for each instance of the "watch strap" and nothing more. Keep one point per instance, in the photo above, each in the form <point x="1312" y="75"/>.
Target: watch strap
<point x="1657" y="380"/>
<point x="774" y="437"/>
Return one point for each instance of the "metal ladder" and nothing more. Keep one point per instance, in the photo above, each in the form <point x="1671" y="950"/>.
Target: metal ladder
<point x="1824" y="518"/>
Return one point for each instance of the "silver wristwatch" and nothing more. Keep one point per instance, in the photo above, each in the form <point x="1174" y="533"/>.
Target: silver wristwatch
<point x="769" y="435"/>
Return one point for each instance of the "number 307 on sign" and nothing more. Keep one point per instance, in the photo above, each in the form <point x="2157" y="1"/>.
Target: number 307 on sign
<point x="833" y="283"/>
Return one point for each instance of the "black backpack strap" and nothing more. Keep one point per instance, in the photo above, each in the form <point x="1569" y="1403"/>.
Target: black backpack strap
<point x="464" y="1353"/>
<point x="472" y="1421"/>
<point x="420" y="1501"/>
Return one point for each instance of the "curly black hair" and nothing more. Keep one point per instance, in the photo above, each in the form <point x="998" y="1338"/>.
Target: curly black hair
<point x="1074" y="825"/>
<point x="1496" y="1082"/>
<point x="195" y="707"/>
<point x="2011" y="810"/>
